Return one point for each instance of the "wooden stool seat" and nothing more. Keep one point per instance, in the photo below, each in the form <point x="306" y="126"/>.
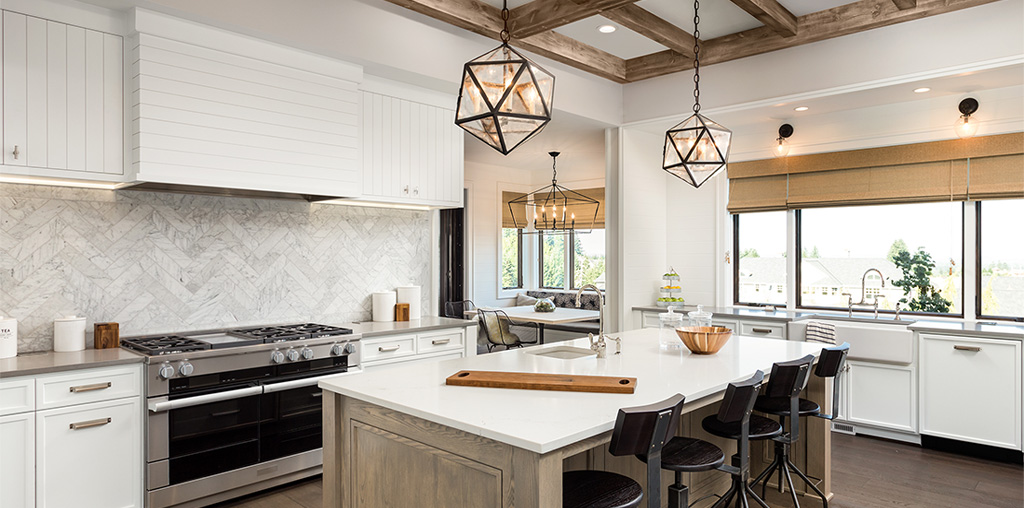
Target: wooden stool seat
<point x="689" y="455"/>
<point x="599" y="489"/>
<point x="780" y="406"/>
<point x="760" y="427"/>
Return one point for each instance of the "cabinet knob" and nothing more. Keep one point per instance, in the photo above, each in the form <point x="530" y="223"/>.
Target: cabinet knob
<point x="16" y="152"/>
<point x="416" y="191"/>
<point x="406" y="190"/>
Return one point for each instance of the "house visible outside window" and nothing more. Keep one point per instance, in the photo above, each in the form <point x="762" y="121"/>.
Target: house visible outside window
<point x="760" y="245"/>
<point x="1000" y="285"/>
<point x="511" y="258"/>
<point x="839" y="244"/>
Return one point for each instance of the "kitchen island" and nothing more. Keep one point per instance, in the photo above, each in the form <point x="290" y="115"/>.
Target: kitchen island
<point x="403" y="438"/>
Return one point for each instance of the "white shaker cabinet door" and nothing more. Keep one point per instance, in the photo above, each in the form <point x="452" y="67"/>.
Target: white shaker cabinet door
<point x="17" y="459"/>
<point x="881" y="395"/>
<point x="971" y="389"/>
<point x="90" y="455"/>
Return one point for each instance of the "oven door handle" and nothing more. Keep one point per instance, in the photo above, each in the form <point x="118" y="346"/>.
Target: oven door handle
<point x="159" y="406"/>
<point x="299" y="383"/>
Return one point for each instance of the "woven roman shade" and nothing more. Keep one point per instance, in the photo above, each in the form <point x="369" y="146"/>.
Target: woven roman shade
<point x="583" y="215"/>
<point x="989" y="167"/>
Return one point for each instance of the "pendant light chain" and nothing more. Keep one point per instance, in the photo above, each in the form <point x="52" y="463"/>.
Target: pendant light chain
<point x="696" y="57"/>
<point x="504" y="17"/>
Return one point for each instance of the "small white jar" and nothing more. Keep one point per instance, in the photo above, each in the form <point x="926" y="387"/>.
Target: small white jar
<point x="69" y="334"/>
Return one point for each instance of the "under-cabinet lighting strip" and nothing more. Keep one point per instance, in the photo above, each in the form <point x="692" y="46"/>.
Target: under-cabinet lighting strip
<point x="59" y="182"/>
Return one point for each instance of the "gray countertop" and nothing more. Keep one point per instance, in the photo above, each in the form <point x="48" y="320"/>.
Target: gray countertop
<point x="971" y="328"/>
<point x="736" y="312"/>
<point x="27" y="364"/>
<point x="371" y="329"/>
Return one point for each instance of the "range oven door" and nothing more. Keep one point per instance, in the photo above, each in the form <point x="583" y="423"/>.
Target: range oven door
<point x="203" y="435"/>
<point x="290" y="414"/>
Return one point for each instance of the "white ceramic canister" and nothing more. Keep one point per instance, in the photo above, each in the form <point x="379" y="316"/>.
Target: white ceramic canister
<point x="69" y="334"/>
<point x="384" y="305"/>
<point x="8" y="337"/>
<point x="410" y="295"/>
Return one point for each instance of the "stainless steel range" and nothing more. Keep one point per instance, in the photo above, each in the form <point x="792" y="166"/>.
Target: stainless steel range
<point x="235" y="411"/>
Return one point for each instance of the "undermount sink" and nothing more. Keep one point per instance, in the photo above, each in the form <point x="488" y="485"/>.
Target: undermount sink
<point x="884" y="320"/>
<point x="561" y="352"/>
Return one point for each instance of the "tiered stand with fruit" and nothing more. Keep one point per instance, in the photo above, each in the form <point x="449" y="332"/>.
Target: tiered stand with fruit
<point x="670" y="290"/>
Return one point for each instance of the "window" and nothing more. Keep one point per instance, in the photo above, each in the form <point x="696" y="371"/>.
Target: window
<point x="838" y="245"/>
<point x="760" y="245"/>
<point x="511" y="258"/>
<point x="1000" y="287"/>
<point x="587" y="259"/>
<point x="552" y="261"/>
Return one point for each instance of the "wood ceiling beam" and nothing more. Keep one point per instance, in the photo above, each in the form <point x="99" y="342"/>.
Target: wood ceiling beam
<point x="540" y="16"/>
<point x="905" y="4"/>
<point x="483" y="19"/>
<point x="818" y="26"/>
<point x="654" y="28"/>
<point x="772" y="14"/>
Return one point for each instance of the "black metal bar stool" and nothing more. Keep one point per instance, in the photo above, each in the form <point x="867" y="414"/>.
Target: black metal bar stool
<point x="784" y="401"/>
<point x="640" y="431"/>
<point x="735" y="421"/>
<point x="687" y="455"/>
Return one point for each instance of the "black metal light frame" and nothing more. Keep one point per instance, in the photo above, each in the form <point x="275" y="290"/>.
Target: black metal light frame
<point x="554" y="195"/>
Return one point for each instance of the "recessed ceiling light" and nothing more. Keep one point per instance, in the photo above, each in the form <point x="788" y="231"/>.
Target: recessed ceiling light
<point x="801" y="108"/>
<point x="923" y="89"/>
<point x="606" y="29"/>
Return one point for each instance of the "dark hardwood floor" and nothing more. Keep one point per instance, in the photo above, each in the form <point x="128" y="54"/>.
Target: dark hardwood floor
<point x="866" y="472"/>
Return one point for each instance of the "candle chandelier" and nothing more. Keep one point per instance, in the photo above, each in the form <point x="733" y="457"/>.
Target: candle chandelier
<point x="504" y="99"/>
<point x="696" y="148"/>
<point x="554" y="209"/>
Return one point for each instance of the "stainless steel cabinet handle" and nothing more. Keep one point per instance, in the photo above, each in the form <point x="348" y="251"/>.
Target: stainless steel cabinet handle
<point x="90" y="388"/>
<point x="388" y="349"/>
<point x="16" y="152"/>
<point x="90" y="423"/>
<point x="761" y="330"/>
<point x="974" y="349"/>
<point x="161" y="404"/>
<point x="438" y="342"/>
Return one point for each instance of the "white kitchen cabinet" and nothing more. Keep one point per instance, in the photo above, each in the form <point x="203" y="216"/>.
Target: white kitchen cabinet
<point x="971" y="389"/>
<point x="763" y="329"/>
<point x="63" y="101"/>
<point x="218" y="109"/>
<point x="412" y="152"/>
<point x="881" y="395"/>
<point x="401" y="348"/>
<point x="17" y="459"/>
<point x="89" y="455"/>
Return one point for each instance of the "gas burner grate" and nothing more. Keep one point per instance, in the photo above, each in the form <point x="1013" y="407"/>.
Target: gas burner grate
<point x="315" y="330"/>
<point x="166" y="345"/>
<point x="270" y="334"/>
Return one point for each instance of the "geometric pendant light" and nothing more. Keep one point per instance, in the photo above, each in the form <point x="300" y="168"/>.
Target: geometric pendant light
<point x="554" y="209"/>
<point x="696" y="148"/>
<point x="505" y="99"/>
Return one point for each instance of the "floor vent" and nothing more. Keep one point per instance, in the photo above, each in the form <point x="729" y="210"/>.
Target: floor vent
<point x="844" y="428"/>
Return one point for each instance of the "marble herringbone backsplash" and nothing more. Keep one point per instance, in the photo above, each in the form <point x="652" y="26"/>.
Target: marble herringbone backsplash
<point x="162" y="262"/>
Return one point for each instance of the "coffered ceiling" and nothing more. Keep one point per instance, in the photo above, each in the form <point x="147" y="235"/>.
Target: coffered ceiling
<point x="654" y="37"/>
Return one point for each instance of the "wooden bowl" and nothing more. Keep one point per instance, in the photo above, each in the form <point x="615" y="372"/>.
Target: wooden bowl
<point x="704" y="340"/>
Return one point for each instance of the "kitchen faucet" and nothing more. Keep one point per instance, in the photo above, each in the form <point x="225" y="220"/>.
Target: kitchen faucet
<point x="863" y="293"/>
<point x="599" y="346"/>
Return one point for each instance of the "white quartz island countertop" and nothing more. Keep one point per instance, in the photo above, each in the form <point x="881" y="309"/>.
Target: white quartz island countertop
<point x="542" y="421"/>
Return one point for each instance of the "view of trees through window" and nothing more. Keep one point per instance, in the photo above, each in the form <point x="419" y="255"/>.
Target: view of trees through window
<point x="917" y="247"/>
<point x="511" y="269"/>
<point x="1002" y="258"/>
<point x="761" y="263"/>
<point x="588" y="258"/>
<point x="553" y="261"/>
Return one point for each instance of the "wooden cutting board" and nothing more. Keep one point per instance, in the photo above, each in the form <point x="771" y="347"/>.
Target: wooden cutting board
<point x="532" y="381"/>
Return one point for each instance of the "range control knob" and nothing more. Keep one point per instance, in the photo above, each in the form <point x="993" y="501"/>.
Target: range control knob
<point x="185" y="369"/>
<point x="307" y="354"/>
<point x="337" y="349"/>
<point x="166" y="371"/>
<point x="292" y="355"/>
<point x="276" y="357"/>
<point x="350" y="348"/>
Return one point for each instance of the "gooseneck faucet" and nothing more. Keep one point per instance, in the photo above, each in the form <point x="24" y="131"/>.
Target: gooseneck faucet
<point x="600" y="305"/>
<point x="863" y="293"/>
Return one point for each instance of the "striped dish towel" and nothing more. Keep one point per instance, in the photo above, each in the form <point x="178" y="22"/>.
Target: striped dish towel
<point x="818" y="331"/>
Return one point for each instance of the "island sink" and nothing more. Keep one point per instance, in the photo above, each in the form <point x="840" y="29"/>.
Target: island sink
<point x="560" y="352"/>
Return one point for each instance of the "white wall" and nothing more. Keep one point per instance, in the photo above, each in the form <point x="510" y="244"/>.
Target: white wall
<point x="905" y="51"/>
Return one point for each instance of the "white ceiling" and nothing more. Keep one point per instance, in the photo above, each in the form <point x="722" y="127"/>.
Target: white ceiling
<point x="623" y="42"/>
<point x="782" y="112"/>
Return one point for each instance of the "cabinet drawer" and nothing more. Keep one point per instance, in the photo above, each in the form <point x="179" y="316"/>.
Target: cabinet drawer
<point x="971" y="389"/>
<point x="450" y="355"/>
<point x="383" y="348"/>
<point x="17" y="395"/>
<point x="90" y="455"/>
<point x="93" y="385"/>
<point x="752" y="329"/>
<point x="428" y="343"/>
